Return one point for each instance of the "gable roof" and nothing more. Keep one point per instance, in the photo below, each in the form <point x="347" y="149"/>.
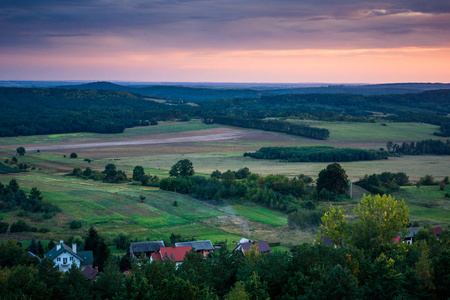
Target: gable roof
<point x="90" y="272"/>
<point x="263" y="246"/>
<point x="197" y="245"/>
<point x="175" y="253"/>
<point x="87" y="257"/>
<point x="54" y="252"/>
<point x="156" y="256"/>
<point x="151" y="246"/>
<point x="412" y="232"/>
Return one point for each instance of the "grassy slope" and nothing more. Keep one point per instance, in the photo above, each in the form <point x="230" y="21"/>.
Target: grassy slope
<point x="115" y="208"/>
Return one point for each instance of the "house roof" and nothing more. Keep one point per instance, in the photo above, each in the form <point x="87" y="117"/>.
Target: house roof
<point x="197" y="245"/>
<point x="54" y="252"/>
<point x="87" y="257"/>
<point x="263" y="246"/>
<point x="156" y="256"/>
<point x="175" y="253"/>
<point x="412" y="232"/>
<point x="139" y="247"/>
<point x="34" y="256"/>
<point x="437" y="230"/>
<point x="89" y="272"/>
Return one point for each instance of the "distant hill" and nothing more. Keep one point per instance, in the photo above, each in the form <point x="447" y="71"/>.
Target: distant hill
<point x="199" y="94"/>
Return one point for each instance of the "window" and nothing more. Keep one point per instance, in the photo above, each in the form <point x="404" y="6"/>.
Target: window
<point x="58" y="259"/>
<point x="71" y="258"/>
<point x="65" y="260"/>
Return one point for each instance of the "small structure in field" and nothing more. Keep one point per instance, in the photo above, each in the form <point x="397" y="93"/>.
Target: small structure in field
<point x="145" y="249"/>
<point x="203" y="247"/>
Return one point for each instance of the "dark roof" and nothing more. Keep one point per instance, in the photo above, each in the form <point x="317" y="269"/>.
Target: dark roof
<point x="90" y="272"/>
<point x="34" y="255"/>
<point x="55" y="253"/>
<point x="139" y="247"/>
<point x="263" y="246"/>
<point x="197" y="245"/>
<point x="412" y="232"/>
<point x="87" y="257"/>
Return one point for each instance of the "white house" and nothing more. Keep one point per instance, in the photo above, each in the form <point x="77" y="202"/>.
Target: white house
<point x="64" y="256"/>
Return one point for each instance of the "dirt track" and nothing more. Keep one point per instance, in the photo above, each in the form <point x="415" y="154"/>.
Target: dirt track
<point x="218" y="134"/>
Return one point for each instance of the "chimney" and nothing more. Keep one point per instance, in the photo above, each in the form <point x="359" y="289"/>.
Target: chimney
<point x="74" y="248"/>
<point x="59" y="245"/>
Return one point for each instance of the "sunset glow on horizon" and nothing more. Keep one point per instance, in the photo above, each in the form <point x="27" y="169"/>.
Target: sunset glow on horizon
<point x="225" y="41"/>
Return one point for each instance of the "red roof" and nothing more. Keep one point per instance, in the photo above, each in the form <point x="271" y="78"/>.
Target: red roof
<point x="438" y="230"/>
<point x="175" y="253"/>
<point x="156" y="256"/>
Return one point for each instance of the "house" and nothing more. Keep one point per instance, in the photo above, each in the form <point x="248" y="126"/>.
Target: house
<point x="262" y="247"/>
<point x="64" y="256"/>
<point x="145" y="249"/>
<point x="175" y="254"/>
<point x="202" y="247"/>
<point x="411" y="233"/>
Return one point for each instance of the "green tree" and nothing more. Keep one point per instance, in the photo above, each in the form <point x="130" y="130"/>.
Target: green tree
<point x="109" y="283"/>
<point x="20" y="151"/>
<point x="97" y="244"/>
<point x="334" y="226"/>
<point x="238" y="292"/>
<point x="334" y="179"/>
<point x="380" y="220"/>
<point x="182" y="168"/>
<point x="138" y="172"/>
<point x="73" y="155"/>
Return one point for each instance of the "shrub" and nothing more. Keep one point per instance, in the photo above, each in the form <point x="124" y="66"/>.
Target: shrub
<point x="19" y="226"/>
<point x="73" y="155"/>
<point x="3" y="227"/>
<point x="75" y="224"/>
<point x="43" y="230"/>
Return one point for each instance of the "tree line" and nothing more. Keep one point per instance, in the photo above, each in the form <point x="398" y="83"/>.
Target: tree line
<point x="272" y="125"/>
<point x="423" y="147"/>
<point x="317" y="154"/>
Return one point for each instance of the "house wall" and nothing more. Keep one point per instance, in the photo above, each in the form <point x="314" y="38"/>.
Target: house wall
<point x="64" y="261"/>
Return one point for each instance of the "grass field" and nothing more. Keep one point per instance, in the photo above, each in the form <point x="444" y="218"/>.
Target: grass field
<point x="114" y="208"/>
<point x="375" y="131"/>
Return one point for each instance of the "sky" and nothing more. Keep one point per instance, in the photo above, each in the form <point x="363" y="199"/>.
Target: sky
<point x="290" y="41"/>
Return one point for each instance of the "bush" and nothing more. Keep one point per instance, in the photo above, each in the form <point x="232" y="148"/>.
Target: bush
<point x="75" y="224"/>
<point x="20" y="226"/>
<point x="73" y="155"/>
<point x="43" y="230"/>
<point x="3" y="227"/>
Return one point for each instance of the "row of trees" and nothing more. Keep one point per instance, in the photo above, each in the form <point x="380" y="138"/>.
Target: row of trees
<point x="110" y="174"/>
<point x="423" y="147"/>
<point x="272" y="125"/>
<point x="383" y="183"/>
<point x="316" y="154"/>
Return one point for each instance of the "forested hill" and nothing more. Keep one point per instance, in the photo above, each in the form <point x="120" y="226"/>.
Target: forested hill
<point x="29" y="111"/>
<point x="172" y="92"/>
<point x="199" y="94"/>
<point x="425" y="103"/>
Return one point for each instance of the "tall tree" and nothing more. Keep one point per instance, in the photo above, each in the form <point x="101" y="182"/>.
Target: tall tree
<point x="334" y="226"/>
<point x="182" y="168"/>
<point x="333" y="179"/>
<point x="138" y="172"/>
<point x="381" y="219"/>
<point x="97" y="244"/>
